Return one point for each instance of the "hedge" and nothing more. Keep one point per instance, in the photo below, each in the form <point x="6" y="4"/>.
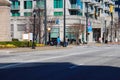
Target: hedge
<point x="18" y="43"/>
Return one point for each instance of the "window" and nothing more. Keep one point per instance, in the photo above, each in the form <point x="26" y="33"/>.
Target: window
<point x="21" y="27"/>
<point x="73" y="1"/>
<point x="12" y="27"/>
<point x="15" y="5"/>
<point x="55" y="32"/>
<point x="58" y="13"/>
<point x="27" y="4"/>
<point x="40" y="4"/>
<point x="76" y="13"/>
<point x="15" y="14"/>
<point x="58" y="3"/>
<point x="27" y="14"/>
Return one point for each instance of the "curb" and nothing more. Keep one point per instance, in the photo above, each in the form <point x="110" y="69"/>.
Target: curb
<point x="29" y="49"/>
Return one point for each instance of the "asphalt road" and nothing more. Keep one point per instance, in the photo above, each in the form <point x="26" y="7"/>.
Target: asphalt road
<point x="77" y="63"/>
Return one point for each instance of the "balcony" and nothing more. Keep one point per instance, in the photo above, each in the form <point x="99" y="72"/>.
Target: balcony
<point x="74" y="7"/>
<point x="13" y="7"/>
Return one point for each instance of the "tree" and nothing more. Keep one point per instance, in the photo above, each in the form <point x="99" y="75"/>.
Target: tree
<point x="77" y="30"/>
<point x="116" y="29"/>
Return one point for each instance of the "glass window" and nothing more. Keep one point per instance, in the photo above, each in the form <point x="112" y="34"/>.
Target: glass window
<point x="12" y="27"/>
<point x="58" y="13"/>
<point x="58" y="3"/>
<point x="54" y="32"/>
<point x="73" y="1"/>
<point x="15" y="14"/>
<point x="27" y="4"/>
<point x="27" y="14"/>
<point x="15" y="5"/>
<point x="21" y="27"/>
<point x="76" y="13"/>
<point x="40" y="4"/>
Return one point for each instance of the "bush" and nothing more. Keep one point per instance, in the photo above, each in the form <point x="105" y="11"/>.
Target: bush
<point x="40" y="45"/>
<point x="16" y="44"/>
<point x="13" y="39"/>
<point x="8" y="46"/>
<point x="2" y="46"/>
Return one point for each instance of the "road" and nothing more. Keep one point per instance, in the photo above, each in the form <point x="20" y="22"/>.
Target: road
<point x="77" y="63"/>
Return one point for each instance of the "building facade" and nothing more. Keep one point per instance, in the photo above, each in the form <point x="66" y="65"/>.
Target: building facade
<point x="98" y="12"/>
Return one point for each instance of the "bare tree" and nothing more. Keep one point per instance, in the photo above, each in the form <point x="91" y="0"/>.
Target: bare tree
<point x="116" y="29"/>
<point x="77" y="30"/>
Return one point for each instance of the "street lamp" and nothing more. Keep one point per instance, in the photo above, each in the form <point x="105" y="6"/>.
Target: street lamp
<point x="49" y="29"/>
<point x="87" y="23"/>
<point x="105" y="32"/>
<point x="111" y="12"/>
<point x="33" y="41"/>
<point x="45" y="21"/>
<point x="64" y="42"/>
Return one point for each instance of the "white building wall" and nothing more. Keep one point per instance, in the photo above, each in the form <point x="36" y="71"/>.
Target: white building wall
<point x="69" y="20"/>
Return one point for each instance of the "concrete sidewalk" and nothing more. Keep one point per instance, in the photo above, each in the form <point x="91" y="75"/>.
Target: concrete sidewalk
<point x="29" y="49"/>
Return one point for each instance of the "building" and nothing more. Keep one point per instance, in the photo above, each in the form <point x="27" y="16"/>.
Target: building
<point x="76" y="11"/>
<point x="5" y="20"/>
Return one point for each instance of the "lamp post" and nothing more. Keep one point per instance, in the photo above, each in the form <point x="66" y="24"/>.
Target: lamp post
<point x="111" y="27"/>
<point x="87" y="23"/>
<point x="105" y="32"/>
<point x="49" y="29"/>
<point x="111" y="11"/>
<point x="33" y="41"/>
<point x="45" y="22"/>
<point x="64" y="42"/>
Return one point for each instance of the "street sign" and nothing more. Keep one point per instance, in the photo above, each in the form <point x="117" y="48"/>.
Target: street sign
<point x="89" y="27"/>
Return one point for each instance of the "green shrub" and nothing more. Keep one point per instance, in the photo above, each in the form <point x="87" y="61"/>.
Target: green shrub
<point x="10" y="46"/>
<point x="13" y="39"/>
<point x="40" y="45"/>
<point x="17" y="43"/>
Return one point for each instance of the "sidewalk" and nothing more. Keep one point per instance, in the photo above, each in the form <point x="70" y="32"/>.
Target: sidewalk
<point x="29" y="49"/>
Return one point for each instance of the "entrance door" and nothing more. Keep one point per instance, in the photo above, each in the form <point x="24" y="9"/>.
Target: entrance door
<point x="96" y="34"/>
